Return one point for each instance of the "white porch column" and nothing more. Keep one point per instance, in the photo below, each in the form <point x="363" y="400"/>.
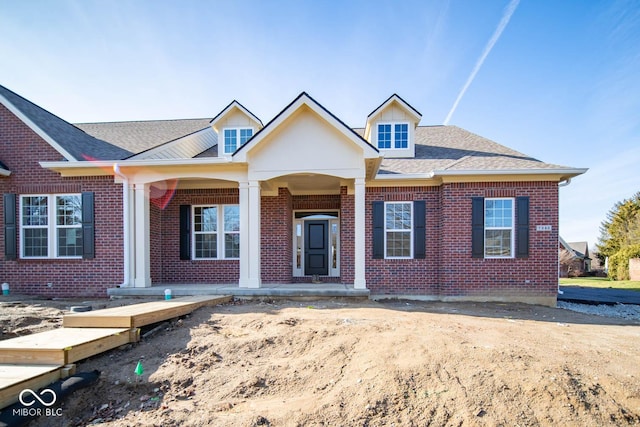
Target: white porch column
<point x="254" y="235"/>
<point x="128" y="236"/>
<point x="142" y="237"/>
<point x="245" y="260"/>
<point x="359" y="281"/>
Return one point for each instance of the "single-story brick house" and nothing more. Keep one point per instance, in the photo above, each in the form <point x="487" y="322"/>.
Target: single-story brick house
<point x="431" y="212"/>
<point x="574" y="259"/>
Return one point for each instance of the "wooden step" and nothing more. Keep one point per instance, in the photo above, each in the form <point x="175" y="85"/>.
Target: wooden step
<point x="137" y="315"/>
<point x="15" y="378"/>
<point x="63" y="346"/>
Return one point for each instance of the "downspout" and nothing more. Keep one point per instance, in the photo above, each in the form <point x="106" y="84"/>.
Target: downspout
<point x="126" y="280"/>
<point x="562" y="184"/>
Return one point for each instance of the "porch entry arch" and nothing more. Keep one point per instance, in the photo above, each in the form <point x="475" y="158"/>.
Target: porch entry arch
<point x="316" y="243"/>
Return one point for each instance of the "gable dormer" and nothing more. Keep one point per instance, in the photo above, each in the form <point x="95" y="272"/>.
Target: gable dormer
<point x="234" y="125"/>
<point x="391" y="128"/>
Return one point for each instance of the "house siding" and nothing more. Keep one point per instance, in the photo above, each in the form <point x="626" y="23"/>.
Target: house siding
<point x="67" y="277"/>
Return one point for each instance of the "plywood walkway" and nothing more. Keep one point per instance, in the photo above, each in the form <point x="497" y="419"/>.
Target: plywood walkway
<point x="137" y="315"/>
<point x="33" y="361"/>
<point x="15" y="378"/>
<point x="62" y="346"/>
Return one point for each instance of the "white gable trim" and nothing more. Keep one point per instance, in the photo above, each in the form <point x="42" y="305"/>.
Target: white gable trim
<point x="395" y="98"/>
<point x="42" y="134"/>
<point x="234" y="105"/>
<point x="304" y="99"/>
<point x="412" y="112"/>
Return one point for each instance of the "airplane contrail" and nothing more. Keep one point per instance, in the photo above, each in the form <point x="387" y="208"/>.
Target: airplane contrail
<point x="506" y="16"/>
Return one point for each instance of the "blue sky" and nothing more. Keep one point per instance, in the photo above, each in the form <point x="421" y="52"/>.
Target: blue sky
<point x="561" y="83"/>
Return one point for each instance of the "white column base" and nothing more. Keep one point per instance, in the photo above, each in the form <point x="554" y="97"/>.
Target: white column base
<point x="360" y="284"/>
<point x="142" y="282"/>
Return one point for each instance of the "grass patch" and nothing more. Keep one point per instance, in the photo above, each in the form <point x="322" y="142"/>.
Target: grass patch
<point x="601" y="282"/>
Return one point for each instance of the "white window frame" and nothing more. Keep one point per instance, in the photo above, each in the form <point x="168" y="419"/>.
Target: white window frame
<point x="512" y="228"/>
<point x="238" y="142"/>
<point x="52" y="226"/>
<point x="393" y="135"/>
<point x="401" y="230"/>
<point x="220" y="232"/>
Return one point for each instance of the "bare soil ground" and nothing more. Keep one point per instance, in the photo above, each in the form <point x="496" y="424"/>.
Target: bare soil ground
<point x="334" y="363"/>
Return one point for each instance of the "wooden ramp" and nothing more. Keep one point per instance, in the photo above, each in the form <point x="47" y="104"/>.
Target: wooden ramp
<point x="63" y="346"/>
<point x="137" y="315"/>
<point x="34" y="361"/>
<point x="15" y="378"/>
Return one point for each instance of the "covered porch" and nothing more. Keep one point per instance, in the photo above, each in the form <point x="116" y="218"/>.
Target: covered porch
<point x="251" y="217"/>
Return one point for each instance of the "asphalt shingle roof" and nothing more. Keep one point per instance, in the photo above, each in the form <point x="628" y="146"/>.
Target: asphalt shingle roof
<point x="454" y="149"/>
<point x="139" y="136"/>
<point x="437" y="148"/>
<point x="74" y="140"/>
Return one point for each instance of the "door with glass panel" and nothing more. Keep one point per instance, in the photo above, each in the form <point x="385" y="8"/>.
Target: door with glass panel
<point x="316" y="244"/>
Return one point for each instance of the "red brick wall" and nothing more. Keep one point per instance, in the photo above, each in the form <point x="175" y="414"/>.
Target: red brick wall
<point x="69" y="278"/>
<point x="166" y="262"/>
<point x="276" y="240"/>
<point x="405" y="276"/>
<point x="156" y="242"/>
<point x="347" y="236"/>
<point x="536" y="275"/>
<point x="448" y="269"/>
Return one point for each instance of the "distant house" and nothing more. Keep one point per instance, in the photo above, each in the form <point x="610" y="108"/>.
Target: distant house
<point x="574" y="258"/>
<point x="395" y="208"/>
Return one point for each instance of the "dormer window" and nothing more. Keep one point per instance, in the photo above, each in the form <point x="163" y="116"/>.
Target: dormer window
<point x="236" y="137"/>
<point x="393" y="136"/>
<point x="391" y="128"/>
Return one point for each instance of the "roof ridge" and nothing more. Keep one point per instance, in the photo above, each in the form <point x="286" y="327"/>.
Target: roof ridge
<point x="138" y="121"/>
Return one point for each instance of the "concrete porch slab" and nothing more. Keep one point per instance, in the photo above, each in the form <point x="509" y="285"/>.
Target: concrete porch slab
<point x="286" y="290"/>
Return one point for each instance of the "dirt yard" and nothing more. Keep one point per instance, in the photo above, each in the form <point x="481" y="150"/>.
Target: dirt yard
<point x="335" y="363"/>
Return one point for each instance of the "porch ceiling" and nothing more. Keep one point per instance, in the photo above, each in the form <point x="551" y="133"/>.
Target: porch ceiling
<point x="307" y="183"/>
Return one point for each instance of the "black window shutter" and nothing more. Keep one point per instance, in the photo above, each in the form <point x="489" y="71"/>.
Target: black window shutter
<point x="378" y="230"/>
<point x="88" y="226"/>
<point x="185" y="232"/>
<point x="522" y="227"/>
<point x="10" y="229"/>
<point x="477" y="227"/>
<point x="419" y="217"/>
